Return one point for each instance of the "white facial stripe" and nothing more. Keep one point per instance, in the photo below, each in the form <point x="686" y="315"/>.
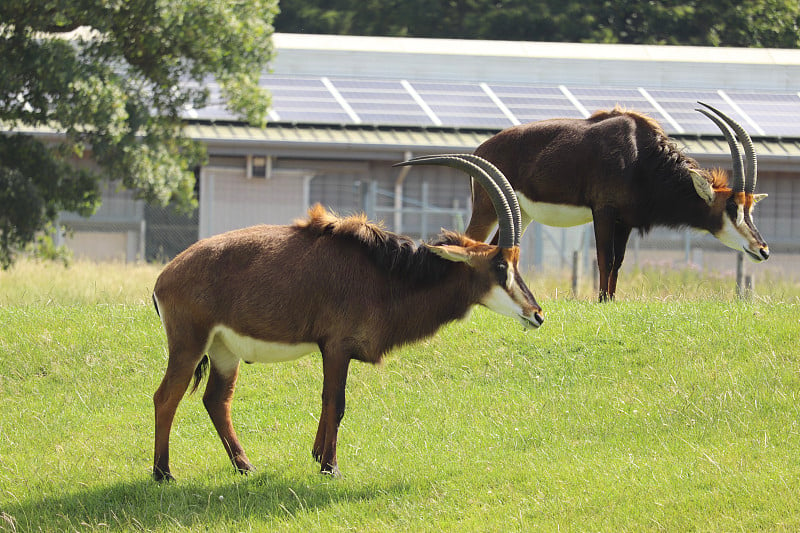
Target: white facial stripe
<point x="509" y="276"/>
<point x="506" y="301"/>
<point x="499" y="301"/>
<point x="729" y="235"/>
<point x="738" y="238"/>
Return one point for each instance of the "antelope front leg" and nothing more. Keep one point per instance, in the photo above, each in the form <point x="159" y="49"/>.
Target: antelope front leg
<point x="483" y="218"/>
<point x="335" y="364"/>
<point x="621" y="234"/>
<point x="604" y="223"/>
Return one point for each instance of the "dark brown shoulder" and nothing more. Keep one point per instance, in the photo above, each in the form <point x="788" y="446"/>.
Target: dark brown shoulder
<point x="637" y="117"/>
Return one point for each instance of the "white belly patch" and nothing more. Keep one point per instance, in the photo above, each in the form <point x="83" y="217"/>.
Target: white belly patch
<point x="226" y="346"/>
<point x="560" y="215"/>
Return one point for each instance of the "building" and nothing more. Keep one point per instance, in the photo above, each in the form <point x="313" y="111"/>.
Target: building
<point x="345" y="108"/>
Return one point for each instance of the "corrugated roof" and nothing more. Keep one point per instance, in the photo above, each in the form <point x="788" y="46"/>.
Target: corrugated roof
<point x="366" y="138"/>
<point x="333" y="136"/>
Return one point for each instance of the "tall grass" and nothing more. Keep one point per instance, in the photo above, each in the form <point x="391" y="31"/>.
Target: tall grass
<point x="674" y="408"/>
<point x="84" y="282"/>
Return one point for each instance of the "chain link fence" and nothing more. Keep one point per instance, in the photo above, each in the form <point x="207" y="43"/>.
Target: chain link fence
<point x="168" y="231"/>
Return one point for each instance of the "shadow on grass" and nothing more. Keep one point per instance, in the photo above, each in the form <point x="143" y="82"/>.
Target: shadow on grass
<point x="266" y="497"/>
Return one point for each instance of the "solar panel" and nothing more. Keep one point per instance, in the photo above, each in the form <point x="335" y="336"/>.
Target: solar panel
<point x="530" y="104"/>
<point x="305" y="99"/>
<point x="462" y="104"/>
<point x="397" y="102"/>
<point x="774" y="113"/>
<point x="215" y="110"/>
<point x="596" y="99"/>
<point x="681" y="107"/>
<point x="382" y="102"/>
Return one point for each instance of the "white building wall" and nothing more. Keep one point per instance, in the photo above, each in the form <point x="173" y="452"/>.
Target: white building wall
<point x="229" y="200"/>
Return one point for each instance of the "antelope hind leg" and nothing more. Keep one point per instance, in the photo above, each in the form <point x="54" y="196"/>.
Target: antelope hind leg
<point x="180" y="368"/>
<point x="217" y="400"/>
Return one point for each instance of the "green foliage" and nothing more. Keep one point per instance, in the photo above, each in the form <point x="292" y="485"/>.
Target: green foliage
<point x="34" y="186"/>
<point x="763" y="23"/>
<point x="44" y="247"/>
<point x="115" y="77"/>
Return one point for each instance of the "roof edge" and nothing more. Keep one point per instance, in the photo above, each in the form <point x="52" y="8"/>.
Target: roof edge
<point x="535" y="49"/>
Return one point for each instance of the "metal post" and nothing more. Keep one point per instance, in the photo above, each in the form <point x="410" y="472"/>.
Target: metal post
<point x="740" y="288"/>
<point x="687" y="247"/>
<point x="575" y="259"/>
<point x="372" y="189"/>
<point x="424" y="214"/>
<point x="142" y="237"/>
<point x="398" y="194"/>
<point x="587" y="246"/>
<point x="206" y="215"/>
<point x="366" y="191"/>
<point x="538" y="246"/>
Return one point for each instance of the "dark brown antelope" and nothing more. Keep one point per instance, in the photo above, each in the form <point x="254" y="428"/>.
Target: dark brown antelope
<point x="340" y="286"/>
<point x="619" y="169"/>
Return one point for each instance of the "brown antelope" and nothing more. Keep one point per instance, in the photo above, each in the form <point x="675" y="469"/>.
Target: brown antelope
<point x="619" y="169"/>
<point x="341" y="286"/>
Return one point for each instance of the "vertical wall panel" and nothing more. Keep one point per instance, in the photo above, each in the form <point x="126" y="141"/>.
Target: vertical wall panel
<point x="239" y="202"/>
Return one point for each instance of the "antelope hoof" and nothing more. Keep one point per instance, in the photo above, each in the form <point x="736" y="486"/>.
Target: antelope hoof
<point x="161" y="476"/>
<point x="332" y="471"/>
<point x="605" y="297"/>
<point x="242" y="463"/>
<point x="245" y="468"/>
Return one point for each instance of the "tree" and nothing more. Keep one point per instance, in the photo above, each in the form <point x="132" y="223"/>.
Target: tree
<point x="758" y="23"/>
<point x="114" y="77"/>
<point x="763" y="23"/>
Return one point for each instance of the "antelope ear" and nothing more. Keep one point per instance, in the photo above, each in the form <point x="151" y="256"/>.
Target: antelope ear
<point x="702" y="187"/>
<point x="758" y="197"/>
<point x="457" y="254"/>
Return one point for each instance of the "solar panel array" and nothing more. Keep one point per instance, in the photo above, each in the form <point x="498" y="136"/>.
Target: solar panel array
<point x="409" y="103"/>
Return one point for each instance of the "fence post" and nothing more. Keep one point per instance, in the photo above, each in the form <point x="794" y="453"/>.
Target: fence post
<point x="575" y="270"/>
<point x="744" y="282"/>
<point x="538" y="246"/>
<point x="424" y="214"/>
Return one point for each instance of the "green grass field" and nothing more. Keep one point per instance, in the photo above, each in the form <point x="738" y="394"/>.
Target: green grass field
<point x="675" y="408"/>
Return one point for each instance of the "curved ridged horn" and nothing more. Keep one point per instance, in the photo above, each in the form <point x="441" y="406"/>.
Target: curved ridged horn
<point x="751" y="173"/>
<point x="505" y="218"/>
<point x="736" y="153"/>
<point x="500" y="179"/>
